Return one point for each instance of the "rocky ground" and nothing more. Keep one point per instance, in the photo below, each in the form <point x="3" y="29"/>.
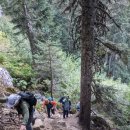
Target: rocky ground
<point x="9" y="120"/>
<point x="57" y="123"/>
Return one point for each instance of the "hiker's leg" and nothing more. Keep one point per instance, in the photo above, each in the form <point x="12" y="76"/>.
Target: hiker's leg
<point x="67" y="112"/>
<point x="48" y="112"/>
<point x="63" y="113"/>
<point x="33" y="118"/>
<point x="29" y="125"/>
<point x="53" y="111"/>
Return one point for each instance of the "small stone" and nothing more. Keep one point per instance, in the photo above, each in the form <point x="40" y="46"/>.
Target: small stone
<point x="62" y="123"/>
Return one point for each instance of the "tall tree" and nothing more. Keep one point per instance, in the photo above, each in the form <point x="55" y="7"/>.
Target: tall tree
<point x="87" y="49"/>
<point x="51" y="71"/>
<point x="27" y="17"/>
<point x="27" y="24"/>
<point x="89" y="20"/>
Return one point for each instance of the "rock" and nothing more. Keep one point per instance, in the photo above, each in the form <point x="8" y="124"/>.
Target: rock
<point x="9" y="119"/>
<point x="37" y="128"/>
<point x="5" y="78"/>
<point x="6" y="111"/>
<point x="62" y="123"/>
<point x="73" y="111"/>
<point x="56" y="116"/>
<point x="123" y="2"/>
<point x="38" y="124"/>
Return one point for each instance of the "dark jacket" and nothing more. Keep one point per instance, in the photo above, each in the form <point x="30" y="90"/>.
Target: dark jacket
<point x="22" y="108"/>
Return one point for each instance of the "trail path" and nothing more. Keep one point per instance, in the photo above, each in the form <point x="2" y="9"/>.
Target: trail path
<point x="58" y="123"/>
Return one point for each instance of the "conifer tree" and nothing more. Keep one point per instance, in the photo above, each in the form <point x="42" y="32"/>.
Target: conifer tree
<point x="28" y="17"/>
<point x="90" y="25"/>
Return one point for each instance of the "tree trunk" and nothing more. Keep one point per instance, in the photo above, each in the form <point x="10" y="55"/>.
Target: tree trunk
<point x="87" y="48"/>
<point x="30" y="34"/>
<point x="51" y="72"/>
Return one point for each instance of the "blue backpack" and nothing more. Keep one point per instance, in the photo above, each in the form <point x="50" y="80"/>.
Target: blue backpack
<point x="66" y="104"/>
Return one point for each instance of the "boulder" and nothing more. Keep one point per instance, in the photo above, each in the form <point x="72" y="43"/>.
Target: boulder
<point x="38" y="124"/>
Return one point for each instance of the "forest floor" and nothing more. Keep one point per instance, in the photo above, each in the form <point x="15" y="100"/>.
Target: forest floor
<point x="9" y="121"/>
<point x="56" y="122"/>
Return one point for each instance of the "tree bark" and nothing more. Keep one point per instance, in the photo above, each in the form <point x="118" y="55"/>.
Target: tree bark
<point x="87" y="49"/>
<point x="30" y="34"/>
<point x="51" y="72"/>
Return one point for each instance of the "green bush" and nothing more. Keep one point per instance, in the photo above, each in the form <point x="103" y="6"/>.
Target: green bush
<point x="39" y="107"/>
<point x="2" y="59"/>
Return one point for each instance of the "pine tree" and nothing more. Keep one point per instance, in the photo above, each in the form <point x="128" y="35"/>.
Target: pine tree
<point x="28" y="17"/>
<point x="90" y="25"/>
<point x="87" y="51"/>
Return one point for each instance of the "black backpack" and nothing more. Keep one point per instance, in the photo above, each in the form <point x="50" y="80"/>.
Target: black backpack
<point x="49" y="105"/>
<point x="28" y="97"/>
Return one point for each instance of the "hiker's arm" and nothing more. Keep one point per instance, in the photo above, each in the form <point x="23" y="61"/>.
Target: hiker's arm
<point x="54" y="105"/>
<point x="70" y="103"/>
<point x="43" y="104"/>
<point x="25" y="113"/>
<point x="3" y="99"/>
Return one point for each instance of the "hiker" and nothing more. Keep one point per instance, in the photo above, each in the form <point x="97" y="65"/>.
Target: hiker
<point x="61" y="99"/>
<point x="24" y="107"/>
<point x="53" y="109"/>
<point x="49" y="106"/>
<point x="54" y="103"/>
<point x="78" y="106"/>
<point x="50" y="99"/>
<point x="66" y="105"/>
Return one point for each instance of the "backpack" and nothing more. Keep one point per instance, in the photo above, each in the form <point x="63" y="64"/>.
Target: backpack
<point x="66" y="105"/>
<point x="78" y="106"/>
<point x="61" y="99"/>
<point x="29" y="98"/>
<point x="49" y="105"/>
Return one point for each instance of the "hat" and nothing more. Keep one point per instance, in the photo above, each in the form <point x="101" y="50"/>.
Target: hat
<point x="12" y="100"/>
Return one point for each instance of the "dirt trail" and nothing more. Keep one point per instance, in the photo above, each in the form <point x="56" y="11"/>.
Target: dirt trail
<point x="58" y="123"/>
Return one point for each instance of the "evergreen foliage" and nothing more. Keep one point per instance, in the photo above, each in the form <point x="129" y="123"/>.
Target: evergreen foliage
<point x="55" y="50"/>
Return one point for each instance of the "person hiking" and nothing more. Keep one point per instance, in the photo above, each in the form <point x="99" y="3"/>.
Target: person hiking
<point x="23" y="107"/>
<point x="66" y="104"/>
<point x="49" y="107"/>
<point x="53" y="109"/>
<point x="61" y="99"/>
<point x="78" y="106"/>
